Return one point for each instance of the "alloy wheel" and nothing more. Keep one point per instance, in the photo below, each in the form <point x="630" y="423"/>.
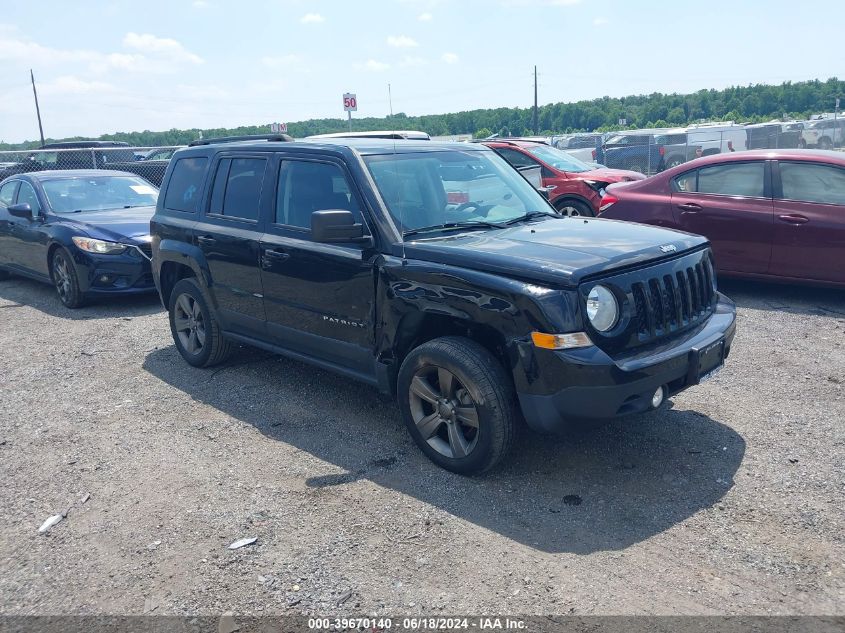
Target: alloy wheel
<point x="189" y="323"/>
<point x="62" y="278"/>
<point x="444" y="412"/>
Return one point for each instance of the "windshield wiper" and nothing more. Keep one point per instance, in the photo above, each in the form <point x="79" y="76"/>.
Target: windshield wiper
<point x="530" y="216"/>
<point x="454" y="225"/>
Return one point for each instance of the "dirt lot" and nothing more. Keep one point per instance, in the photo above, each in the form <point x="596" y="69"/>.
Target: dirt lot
<point x="729" y="502"/>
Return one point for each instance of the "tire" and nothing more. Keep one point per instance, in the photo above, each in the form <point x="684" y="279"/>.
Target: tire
<point x="824" y="143"/>
<point x="802" y="144"/>
<point x="674" y="161"/>
<point x="472" y="428"/>
<point x="65" y="279"/>
<point x="575" y="208"/>
<point x="198" y="337"/>
<point x="640" y="167"/>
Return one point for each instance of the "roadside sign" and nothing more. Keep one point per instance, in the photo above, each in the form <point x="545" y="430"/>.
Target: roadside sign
<point x="623" y="121"/>
<point x="350" y="102"/>
<point x="278" y="128"/>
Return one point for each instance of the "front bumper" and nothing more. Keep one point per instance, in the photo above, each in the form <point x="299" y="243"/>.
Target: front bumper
<point x="588" y="384"/>
<point x="127" y="273"/>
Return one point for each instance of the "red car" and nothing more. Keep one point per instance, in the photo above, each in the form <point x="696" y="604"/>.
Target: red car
<point x="773" y="214"/>
<point x="576" y="187"/>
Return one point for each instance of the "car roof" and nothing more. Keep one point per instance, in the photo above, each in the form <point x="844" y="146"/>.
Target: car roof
<point x="82" y="144"/>
<point x="514" y="142"/>
<point x="363" y="146"/>
<point x="810" y="155"/>
<point x="59" y="174"/>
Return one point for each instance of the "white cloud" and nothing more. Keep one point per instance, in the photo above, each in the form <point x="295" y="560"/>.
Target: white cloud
<point x="373" y="65"/>
<point x="165" y="47"/>
<point x="312" y="18"/>
<point x="413" y="62"/>
<point x="449" y="58"/>
<point x="425" y="17"/>
<point x="199" y="4"/>
<point x="600" y="21"/>
<point x="401" y="41"/>
<point x="70" y="84"/>
<point x="282" y="61"/>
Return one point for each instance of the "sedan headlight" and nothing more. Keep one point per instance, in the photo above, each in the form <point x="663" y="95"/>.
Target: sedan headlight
<point x="100" y="247"/>
<point x="602" y="308"/>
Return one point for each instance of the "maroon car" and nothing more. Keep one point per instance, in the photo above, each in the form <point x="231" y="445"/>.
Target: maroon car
<point x="774" y="214"/>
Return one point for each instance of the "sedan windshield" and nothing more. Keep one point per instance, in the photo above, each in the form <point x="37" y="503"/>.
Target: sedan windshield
<point x="98" y="193"/>
<point x="559" y="159"/>
<point x="453" y="189"/>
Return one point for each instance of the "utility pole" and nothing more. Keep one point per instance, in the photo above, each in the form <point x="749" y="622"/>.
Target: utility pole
<point x="37" y="109"/>
<point x="390" y="100"/>
<point x="536" y="112"/>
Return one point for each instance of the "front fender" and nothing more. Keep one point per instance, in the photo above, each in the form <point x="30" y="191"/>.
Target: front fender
<point x="511" y="308"/>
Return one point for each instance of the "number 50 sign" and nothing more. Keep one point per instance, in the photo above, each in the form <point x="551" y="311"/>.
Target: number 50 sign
<point x="350" y="102"/>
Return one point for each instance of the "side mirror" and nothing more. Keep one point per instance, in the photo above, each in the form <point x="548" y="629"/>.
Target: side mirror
<point x="546" y="192"/>
<point x="23" y="210"/>
<point x="335" y="225"/>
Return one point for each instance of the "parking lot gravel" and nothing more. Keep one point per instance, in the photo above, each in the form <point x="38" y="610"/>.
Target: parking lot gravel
<point x="729" y="502"/>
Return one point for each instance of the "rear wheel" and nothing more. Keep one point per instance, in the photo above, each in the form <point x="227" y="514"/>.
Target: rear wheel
<point x="194" y="326"/>
<point x="825" y="143"/>
<point x="575" y="208"/>
<point x="65" y="280"/>
<point x="458" y="404"/>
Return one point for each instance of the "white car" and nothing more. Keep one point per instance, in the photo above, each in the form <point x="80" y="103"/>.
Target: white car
<point x="823" y="133"/>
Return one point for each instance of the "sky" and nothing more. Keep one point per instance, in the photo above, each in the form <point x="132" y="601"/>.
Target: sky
<point x="130" y="65"/>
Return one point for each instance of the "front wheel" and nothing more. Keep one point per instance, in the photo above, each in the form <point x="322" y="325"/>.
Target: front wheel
<point x="195" y="329"/>
<point x="575" y="208"/>
<point x="458" y="404"/>
<point x="65" y="280"/>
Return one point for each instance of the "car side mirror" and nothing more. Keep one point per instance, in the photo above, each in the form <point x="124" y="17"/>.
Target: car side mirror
<point x="335" y="225"/>
<point x="23" y="210"/>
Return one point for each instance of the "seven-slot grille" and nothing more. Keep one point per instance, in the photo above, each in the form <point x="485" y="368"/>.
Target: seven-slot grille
<point x="673" y="301"/>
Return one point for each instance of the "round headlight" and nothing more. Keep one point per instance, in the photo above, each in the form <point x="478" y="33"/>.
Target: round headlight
<point x="602" y="308"/>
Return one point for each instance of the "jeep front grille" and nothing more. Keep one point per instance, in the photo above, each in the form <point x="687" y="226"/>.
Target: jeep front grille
<point x="660" y="301"/>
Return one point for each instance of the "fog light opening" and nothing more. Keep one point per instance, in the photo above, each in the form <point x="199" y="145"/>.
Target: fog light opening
<point x="658" y="397"/>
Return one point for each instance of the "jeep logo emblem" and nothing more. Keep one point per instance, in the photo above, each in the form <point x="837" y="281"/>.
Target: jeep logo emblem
<point x="668" y="248"/>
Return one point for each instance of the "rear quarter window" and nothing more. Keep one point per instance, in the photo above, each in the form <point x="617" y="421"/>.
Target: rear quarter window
<point x="184" y="189"/>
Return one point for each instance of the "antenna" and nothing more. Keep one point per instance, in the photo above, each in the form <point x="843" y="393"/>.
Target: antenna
<point x="37" y="109"/>
<point x="536" y="117"/>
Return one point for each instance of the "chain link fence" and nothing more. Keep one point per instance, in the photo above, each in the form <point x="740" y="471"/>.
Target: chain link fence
<point x="148" y="162"/>
<point x="654" y="150"/>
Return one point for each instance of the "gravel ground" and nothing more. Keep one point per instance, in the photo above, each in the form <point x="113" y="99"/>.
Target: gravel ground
<point x="730" y="502"/>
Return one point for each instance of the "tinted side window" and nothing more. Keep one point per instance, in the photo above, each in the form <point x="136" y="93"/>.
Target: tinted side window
<point x="7" y="193"/>
<point x="237" y="188"/>
<point x="185" y="187"/>
<point x="686" y="182"/>
<point x="807" y="182"/>
<point x="26" y="195"/>
<point x="515" y="158"/>
<point x="734" y="179"/>
<point x="305" y="187"/>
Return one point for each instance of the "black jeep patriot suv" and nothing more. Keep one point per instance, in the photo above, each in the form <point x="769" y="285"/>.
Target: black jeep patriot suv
<point x="438" y="274"/>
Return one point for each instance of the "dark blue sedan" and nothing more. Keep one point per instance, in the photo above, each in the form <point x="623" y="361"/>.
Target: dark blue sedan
<point x="87" y="232"/>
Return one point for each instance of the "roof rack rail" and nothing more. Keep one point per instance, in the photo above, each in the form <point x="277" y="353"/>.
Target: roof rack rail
<point x="233" y="139"/>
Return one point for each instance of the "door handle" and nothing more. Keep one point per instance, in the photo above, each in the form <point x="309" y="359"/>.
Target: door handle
<point x="206" y="240"/>
<point x="793" y="218"/>
<point x="690" y="207"/>
<point x="276" y="255"/>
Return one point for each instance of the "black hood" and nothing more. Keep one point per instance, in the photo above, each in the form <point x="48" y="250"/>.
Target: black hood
<point x="562" y="250"/>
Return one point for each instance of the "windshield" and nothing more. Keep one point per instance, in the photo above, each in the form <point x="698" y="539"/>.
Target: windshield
<point x="558" y="159"/>
<point x="97" y="193"/>
<point x="433" y="189"/>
